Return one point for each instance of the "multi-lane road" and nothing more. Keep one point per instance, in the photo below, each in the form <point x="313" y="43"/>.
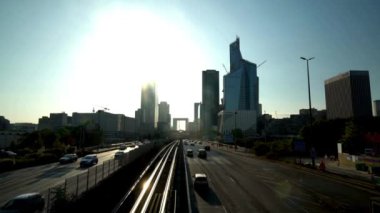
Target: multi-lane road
<point x="41" y="178"/>
<point x="245" y="184"/>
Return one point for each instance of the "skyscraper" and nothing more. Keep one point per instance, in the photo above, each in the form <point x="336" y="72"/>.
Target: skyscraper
<point x="348" y="95"/>
<point x="241" y="85"/>
<point x="241" y="94"/>
<point x="149" y="108"/>
<point x="376" y="108"/>
<point x="164" y="116"/>
<point x="210" y="100"/>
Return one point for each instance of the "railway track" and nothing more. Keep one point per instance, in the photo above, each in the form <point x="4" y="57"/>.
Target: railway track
<point x="152" y="192"/>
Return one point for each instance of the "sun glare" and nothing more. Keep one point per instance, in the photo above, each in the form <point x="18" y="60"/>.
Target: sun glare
<point x="128" y="47"/>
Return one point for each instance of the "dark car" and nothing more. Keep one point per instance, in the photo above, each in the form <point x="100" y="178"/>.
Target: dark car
<point x="189" y="153"/>
<point x="202" y="153"/>
<point x="207" y="148"/>
<point x="88" y="160"/>
<point x="200" y="181"/>
<point x="25" y="203"/>
<point x="68" y="158"/>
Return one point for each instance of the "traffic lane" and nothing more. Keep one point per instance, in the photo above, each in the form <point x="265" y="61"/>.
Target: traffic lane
<point x="302" y="188"/>
<point x="40" y="178"/>
<point x="238" y="192"/>
<point x="204" y="201"/>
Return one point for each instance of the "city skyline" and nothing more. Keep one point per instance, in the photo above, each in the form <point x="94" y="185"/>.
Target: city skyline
<point x="70" y="56"/>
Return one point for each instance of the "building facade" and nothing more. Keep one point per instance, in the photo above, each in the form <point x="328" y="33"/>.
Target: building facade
<point x="241" y="93"/>
<point x="149" y="108"/>
<point x="241" y="84"/>
<point x="164" y="117"/>
<point x="376" y="108"/>
<point x="348" y="95"/>
<point x="210" y="100"/>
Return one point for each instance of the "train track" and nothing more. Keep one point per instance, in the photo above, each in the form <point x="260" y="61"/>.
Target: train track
<point x="152" y="192"/>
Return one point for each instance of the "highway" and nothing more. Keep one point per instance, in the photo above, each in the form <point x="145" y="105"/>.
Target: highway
<point x="41" y="178"/>
<point x="245" y="184"/>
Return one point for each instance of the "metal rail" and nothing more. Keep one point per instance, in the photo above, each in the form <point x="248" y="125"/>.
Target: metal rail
<point x="148" y="194"/>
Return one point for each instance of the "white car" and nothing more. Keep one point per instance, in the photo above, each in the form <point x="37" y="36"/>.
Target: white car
<point x="200" y="181"/>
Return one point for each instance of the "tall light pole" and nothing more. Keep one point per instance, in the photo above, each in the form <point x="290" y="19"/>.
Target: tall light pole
<point x="235" y="132"/>
<point x="308" y="85"/>
<point x="311" y="116"/>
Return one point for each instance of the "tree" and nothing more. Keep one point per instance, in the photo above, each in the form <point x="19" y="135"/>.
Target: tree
<point x="351" y="139"/>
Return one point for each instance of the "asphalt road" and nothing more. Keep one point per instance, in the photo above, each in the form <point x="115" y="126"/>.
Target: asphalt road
<point x="244" y="184"/>
<point x="41" y="178"/>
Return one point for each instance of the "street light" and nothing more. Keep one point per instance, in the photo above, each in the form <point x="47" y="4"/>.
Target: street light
<point x="308" y="85"/>
<point x="311" y="117"/>
<point x="235" y="131"/>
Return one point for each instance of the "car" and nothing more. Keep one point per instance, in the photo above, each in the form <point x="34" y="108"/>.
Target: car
<point x="202" y="153"/>
<point x="29" y="202"/>
<point x="200" y="181"/>
<point x="122" y="147"/>
<point x="189" y="153"/>
<point x="89" y="160"/>
<point x="119" y="154"/>
<point x="68" y="158"/>
<point x="207" y="148"/>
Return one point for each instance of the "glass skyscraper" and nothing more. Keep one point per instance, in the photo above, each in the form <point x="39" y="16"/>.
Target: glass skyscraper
<point x="241" y="85"/>
<point x="149" y="108"/>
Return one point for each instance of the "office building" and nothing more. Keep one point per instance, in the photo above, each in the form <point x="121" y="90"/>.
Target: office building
<point x="348" y="95"/>
<point x="376" y="108"/>
<point x="164" y="117"/>
<point x="241" y="94"/>
<point x="149" y="108"/>
<point x="58" y="120"/>
<point x="241" y="84"/>
<point x="210" y="101"/>
<point x="4" y="123"/>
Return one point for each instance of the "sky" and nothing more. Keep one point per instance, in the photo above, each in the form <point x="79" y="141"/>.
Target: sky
<point x="76" y="56"/>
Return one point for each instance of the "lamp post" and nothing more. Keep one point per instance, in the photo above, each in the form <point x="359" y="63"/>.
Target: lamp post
<point x="310" y="114"/>
<point x="235" y="131"/>
<point x="308" y="85"/>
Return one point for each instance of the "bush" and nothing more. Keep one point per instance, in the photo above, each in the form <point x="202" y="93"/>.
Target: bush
<point x="6" y="164"/>
<point x="261" y="149"/>
<point x="376" y="170"/>
<point x="361" y="167"/>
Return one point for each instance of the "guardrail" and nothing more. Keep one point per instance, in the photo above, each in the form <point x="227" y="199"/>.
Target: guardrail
<point x="74" y="186"/>
<point x="151" y="192"/>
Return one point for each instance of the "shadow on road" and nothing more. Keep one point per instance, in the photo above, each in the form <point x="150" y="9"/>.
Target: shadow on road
<point x="209" y="196"/>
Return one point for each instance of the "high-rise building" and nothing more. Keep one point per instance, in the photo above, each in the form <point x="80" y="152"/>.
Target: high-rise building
<point x="210" y="100"/>
<point x="4" y="123"/>
<point x="348" y="95"/>
<point x="149" y="108"/>
<point x="58" y="120"/>
<point x="376" y="108"/>
<point x="241" y="94"/>
<point x="241" y="84"/>
<point x="163" y="116"/>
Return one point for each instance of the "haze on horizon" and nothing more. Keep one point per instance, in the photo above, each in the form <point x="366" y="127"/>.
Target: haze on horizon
<point x="74" y="56"/>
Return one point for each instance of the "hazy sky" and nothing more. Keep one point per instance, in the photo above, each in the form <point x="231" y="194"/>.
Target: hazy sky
<point x="74" y="55"/>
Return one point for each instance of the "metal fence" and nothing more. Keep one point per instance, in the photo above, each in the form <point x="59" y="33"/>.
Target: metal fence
<point x="74" y="186"/>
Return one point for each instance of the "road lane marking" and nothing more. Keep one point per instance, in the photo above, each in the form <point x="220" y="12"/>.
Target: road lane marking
<point x="232" y="179"/>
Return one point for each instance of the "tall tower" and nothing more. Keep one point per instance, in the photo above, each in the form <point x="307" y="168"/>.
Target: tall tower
<point x="241" y="85"/>
<point x="348" y="95"/>
<point x="210" y="100"/>
<point x="163" y="116"/>
<point x="149" y="108"/>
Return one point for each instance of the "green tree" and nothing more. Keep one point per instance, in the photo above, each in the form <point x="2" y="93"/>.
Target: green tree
<point x="351" y="138"/>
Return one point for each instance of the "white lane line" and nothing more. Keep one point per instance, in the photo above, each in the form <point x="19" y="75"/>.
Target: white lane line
<point x="225" y="210"/>
<point x="232" y="179"/>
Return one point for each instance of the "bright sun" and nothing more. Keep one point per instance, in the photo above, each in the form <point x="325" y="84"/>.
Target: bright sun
<point x="129" y="47"/>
